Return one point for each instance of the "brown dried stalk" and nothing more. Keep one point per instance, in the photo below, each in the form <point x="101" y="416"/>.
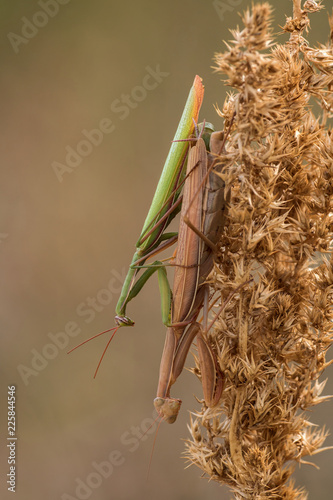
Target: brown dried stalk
<point x="272" y="337"/>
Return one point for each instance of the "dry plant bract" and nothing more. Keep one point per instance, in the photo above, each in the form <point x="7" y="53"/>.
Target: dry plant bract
<point x="272" y="337"/>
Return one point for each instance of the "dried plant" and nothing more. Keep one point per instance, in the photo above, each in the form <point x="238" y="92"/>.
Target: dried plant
<point x="272" y="337"/>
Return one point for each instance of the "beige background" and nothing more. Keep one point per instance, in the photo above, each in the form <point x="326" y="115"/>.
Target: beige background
<point x="62" y="242"/>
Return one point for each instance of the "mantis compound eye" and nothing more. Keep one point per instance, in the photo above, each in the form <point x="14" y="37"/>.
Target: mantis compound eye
<point x="158" y="402"/>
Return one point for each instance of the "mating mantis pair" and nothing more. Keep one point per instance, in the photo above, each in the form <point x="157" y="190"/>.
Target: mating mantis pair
<point x="200" y="226"/>
<point x="201" y="222"/>
<point x="164" y="207"/>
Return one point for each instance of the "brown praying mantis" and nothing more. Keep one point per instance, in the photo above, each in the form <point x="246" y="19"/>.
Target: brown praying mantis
<point x="201" y="223"/>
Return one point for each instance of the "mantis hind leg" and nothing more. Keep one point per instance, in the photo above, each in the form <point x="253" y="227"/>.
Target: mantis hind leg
<point x="211" y="375"/>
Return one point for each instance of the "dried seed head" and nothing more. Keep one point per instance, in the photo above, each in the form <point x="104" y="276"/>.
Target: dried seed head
<point x="272" y="337"/>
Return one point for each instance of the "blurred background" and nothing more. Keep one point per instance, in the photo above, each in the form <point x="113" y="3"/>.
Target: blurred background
<point x="68" y="224"/>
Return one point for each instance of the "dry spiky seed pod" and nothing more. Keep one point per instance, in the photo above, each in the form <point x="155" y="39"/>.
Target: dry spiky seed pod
<point x="272" y="337"/>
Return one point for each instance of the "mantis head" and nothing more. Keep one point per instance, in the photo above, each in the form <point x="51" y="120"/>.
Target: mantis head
<point x="123" y="321"/>
<point x="167" y="408"/>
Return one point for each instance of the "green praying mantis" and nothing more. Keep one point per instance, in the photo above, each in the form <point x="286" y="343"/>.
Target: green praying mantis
<point x="164" y="207"/>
